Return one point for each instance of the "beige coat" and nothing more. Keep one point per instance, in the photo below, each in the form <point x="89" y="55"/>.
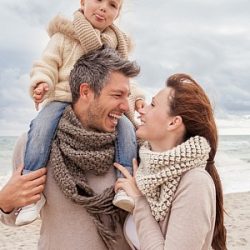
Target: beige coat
<point x="66" y="225"/>
<point x="189" y="224"/>
<point x="59" y="57"/>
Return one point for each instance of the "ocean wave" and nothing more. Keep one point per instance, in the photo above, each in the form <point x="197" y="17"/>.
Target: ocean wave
<point x="234" y="173"/>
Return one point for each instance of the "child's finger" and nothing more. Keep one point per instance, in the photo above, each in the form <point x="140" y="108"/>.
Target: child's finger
<point x="37" y="97"/>
<point x="46" y="87"/>
<point x="123" y="170"/>
<point x="37" y="92"/>
<point x="40" y="88"/>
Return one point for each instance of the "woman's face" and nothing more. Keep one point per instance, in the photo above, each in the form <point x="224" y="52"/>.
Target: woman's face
<point x="155" y="117"/>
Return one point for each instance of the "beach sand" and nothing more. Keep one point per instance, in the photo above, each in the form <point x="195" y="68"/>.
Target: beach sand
<point x="237" y="220"/>
<point x="237" y="223"/>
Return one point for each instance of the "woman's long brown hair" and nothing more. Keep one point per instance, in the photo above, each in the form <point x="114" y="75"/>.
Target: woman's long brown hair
<point x="192" y="104"/>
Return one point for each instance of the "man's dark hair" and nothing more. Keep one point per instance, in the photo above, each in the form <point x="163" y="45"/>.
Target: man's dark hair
<point x="95" y="67"/>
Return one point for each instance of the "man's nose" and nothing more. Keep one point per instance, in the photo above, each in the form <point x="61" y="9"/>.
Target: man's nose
<point x="124" y="106"/>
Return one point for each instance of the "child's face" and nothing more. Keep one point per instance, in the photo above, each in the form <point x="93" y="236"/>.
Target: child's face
<point x="101" y="13"/>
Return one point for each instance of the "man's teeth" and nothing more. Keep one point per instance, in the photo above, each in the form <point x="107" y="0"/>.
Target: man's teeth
<point x="115" y="116"/>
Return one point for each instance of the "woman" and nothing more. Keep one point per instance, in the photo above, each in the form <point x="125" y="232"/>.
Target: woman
<point x="177" y="190"/>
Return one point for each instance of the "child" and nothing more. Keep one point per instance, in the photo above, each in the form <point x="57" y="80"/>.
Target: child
<point x="91" y="27"/>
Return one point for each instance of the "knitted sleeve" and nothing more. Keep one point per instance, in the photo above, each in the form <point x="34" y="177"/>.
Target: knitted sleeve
<point x="191" y="220"/>
<point x="45" y="70"/>
<point x="136" y="94"/>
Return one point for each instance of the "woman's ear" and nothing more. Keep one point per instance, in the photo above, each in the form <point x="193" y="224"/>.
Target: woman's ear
<point x="175" y="123"/>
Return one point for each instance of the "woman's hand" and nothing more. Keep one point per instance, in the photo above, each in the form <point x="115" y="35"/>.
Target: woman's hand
<point x="128" y="183"/>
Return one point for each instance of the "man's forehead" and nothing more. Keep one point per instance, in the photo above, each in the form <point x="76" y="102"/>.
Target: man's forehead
<point x="117" y="81"/>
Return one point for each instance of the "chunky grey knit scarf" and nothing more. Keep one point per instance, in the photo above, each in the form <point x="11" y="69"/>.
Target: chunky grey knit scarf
<point x="159" y="173"/>
<point x="76" y="151"/>
<point x="92" y="39"/>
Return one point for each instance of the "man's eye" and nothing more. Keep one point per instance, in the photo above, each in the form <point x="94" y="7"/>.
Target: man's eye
<point x="152" y="104"/>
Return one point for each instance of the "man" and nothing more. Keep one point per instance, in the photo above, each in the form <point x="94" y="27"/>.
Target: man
<point x="79" y="213"/>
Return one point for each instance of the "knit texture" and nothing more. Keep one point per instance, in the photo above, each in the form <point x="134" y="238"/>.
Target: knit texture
<point x="75" y="151"/>
<point x="159" y="173"/>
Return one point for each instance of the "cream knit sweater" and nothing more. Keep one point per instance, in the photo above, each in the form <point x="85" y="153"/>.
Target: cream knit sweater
<point x="63" y="50"/>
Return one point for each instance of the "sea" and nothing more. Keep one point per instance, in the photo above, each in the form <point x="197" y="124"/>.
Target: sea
<point x="232" y="161"/>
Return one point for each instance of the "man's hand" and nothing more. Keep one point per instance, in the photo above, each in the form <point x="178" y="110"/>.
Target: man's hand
<point x="39" y="92"/>
<point x="22" y="190"/>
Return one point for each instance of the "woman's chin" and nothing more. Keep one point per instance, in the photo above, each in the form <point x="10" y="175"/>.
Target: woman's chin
<point x="141" y="134"/>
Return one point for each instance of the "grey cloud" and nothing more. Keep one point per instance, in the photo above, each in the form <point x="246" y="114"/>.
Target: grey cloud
<point x="207" y="39"/>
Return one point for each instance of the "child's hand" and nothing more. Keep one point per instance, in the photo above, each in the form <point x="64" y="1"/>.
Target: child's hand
<point x="139" y="104"/>
<point x="39" y="92"/>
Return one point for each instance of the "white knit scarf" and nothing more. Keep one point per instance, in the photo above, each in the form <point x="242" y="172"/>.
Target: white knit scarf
<point x="160" y="173"/>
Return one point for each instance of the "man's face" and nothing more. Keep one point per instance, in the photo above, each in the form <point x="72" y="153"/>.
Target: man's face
<point x="106" y="109"/>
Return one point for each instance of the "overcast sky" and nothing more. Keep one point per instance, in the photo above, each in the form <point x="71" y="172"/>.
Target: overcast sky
<point x="208" y="39"/>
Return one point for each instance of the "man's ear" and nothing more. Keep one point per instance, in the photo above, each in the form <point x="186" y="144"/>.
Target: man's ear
<point x="84" y="90"/>
<point x="175" y="123"/>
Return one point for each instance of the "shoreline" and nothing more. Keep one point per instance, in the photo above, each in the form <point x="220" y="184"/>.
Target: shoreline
<point x="237" y="222"/>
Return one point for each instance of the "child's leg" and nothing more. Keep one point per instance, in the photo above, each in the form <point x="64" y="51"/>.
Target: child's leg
<point x="41" y="134"/>
<point x="125" y="145"/>
<point x="125" y="151"/>
<point x="40" y="137"/>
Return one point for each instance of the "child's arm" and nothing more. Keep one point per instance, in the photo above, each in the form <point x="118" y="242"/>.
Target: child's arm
<point x="46" y="69"/>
